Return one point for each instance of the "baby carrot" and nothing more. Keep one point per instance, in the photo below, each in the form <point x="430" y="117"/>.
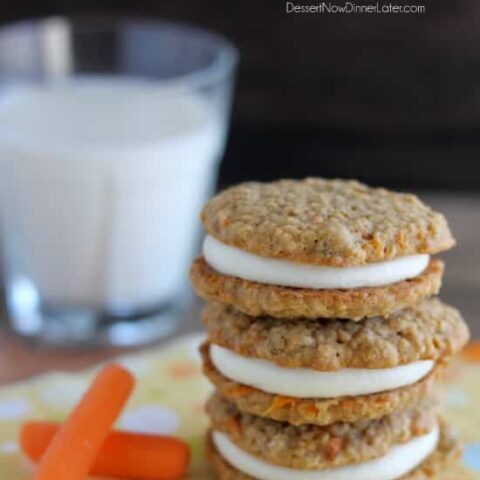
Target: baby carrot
<point x="123" y="455"/>
<point x="73" y="450"/>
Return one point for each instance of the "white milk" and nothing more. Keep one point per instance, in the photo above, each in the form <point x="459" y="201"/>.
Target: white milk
<point x="101" y="187"/>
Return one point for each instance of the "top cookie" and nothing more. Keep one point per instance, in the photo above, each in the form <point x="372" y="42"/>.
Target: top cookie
<point x="339" y="223"/>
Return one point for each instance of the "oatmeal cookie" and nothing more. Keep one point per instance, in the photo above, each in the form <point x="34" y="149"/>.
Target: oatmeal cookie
<point x="340" y="223"/>
<point x="430" y="330"/>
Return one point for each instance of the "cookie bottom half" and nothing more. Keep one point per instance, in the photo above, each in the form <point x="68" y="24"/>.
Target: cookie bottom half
<point x="319" y="411"/>
<point x="446" y="453"/>
<point x="258" y="299"/>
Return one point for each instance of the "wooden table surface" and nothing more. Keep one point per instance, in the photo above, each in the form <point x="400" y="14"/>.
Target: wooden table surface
<point x="20" y="359"/>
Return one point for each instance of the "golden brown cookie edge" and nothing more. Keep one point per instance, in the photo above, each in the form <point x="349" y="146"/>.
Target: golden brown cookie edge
<point x="257" y="299"/>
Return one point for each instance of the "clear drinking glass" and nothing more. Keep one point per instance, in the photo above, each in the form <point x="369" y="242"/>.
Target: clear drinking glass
<point x="111" y="132"/>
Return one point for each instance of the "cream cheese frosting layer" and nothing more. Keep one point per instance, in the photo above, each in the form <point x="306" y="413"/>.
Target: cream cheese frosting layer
<point x="309" y="383"/>
<point x="235" y="262"/>
<point x="400" y="460"/>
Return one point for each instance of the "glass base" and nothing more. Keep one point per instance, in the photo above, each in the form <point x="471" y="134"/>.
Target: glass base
<point x="85" y="327"/>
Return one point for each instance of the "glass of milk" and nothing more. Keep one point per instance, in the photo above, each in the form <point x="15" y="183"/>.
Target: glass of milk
<point x="111" y="133"/>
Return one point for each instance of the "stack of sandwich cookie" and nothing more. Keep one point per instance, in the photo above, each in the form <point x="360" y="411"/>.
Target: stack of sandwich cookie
<point x="319" y="249"/>
<point x="320" y="372"/>
<point x="323" y="341"/>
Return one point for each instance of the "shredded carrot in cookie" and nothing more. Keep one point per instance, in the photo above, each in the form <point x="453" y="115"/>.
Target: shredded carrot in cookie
<point x="333" y="447"/>
<point x="402" y="238"/>
<point x="233" y="426"/>
<point x="239" y="391"/>
<point x="309" y="409"/>
<point x="280" y="402"/>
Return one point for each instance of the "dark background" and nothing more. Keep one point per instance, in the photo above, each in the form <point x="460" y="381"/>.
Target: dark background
<point x="390" y="99"/>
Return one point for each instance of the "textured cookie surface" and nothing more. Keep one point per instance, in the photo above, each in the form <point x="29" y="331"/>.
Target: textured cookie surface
<point x="430" y="330"/>
<point x="325" y="411"/>
<point x="258" y="299"/>
<point x="326" y="222"/>
<point x="447" y="453"/>
<point x="315" y="447"/>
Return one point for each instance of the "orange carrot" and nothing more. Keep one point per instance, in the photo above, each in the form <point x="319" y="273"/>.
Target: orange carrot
<point x="123" y="455"/>
<point x="73" y="450"/>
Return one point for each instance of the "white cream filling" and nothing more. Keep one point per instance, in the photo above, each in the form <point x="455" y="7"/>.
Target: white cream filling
<point x="400" y="460"/>
<point x="239" y="263"/>
<point x="309" y="383"/>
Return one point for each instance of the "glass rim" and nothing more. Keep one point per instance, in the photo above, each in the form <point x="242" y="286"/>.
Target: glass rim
<point x="226" y="54"/>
